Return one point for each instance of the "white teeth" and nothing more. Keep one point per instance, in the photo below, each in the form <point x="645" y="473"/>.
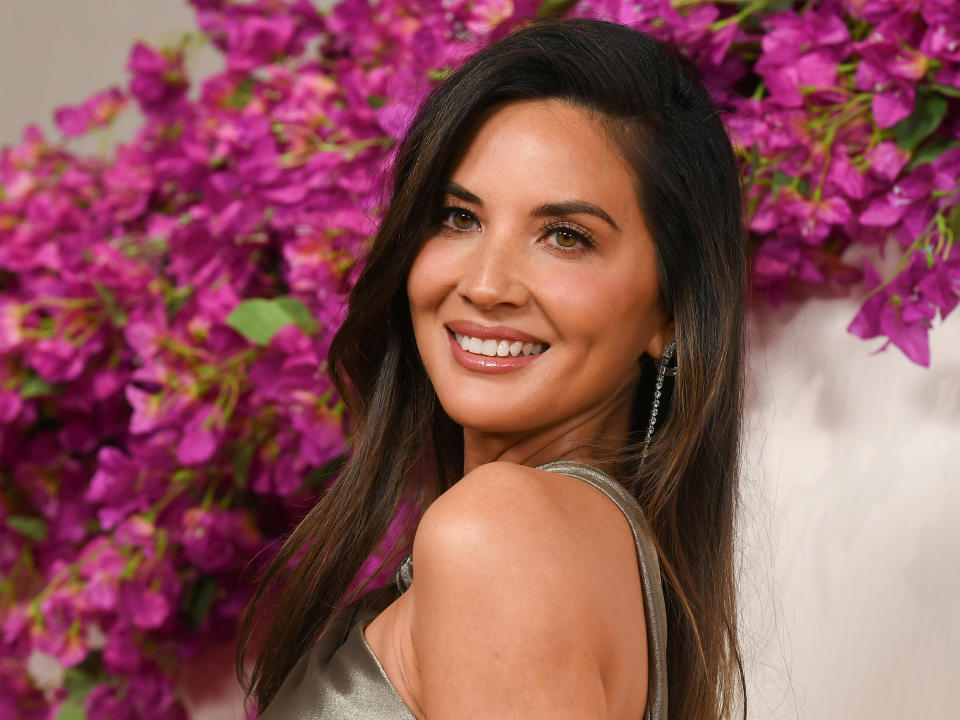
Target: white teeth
<point x="497" y="348"/>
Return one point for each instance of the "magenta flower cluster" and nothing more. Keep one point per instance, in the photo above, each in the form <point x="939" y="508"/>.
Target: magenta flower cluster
<point x="844" y="115"/>
<point x="165" y="313"/>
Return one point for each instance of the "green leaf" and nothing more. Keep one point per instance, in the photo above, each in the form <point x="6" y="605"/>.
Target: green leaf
<point x="948" y="90"/>
<point x="554" y="8"/>
<point x="202" y="595"/>
<point x="926" y="117"/>
<point x="435" y="75"/>
<point x="259" y="319"/>
<point x="781" y="179"/>
<point x="117" y="316"/>
<point x="31" y="527"/>
<point x="241" y="465"/>
<point x="34" y="386"/>
<point x="77" y="682"/>
<point x="175" y="299"/>
<point x="931" y="150"/>
<point x="299" y="312"/>
<point x="71" y="709"/>
<point x="953" y="222"/>
<point x="242" y="95"/>
<point x="376" y="101"/>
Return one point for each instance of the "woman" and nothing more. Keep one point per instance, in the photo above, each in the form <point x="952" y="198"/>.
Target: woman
<point x="563" y="235"/>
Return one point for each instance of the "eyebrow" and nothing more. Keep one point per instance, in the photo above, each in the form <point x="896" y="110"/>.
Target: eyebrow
<point x="568" y="207"/>
<point x="461" y="192"/>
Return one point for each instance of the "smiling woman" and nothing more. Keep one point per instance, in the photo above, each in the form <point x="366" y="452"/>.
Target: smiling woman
<point x="540" y="240"/>
<point x="563" y="238"/>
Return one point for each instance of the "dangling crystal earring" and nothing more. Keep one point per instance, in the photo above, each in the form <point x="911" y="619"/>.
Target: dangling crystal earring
<point x="663" y="368"/>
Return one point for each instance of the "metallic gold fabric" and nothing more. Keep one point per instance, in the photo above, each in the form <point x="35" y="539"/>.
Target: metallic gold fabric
<point x="341" y="679"/>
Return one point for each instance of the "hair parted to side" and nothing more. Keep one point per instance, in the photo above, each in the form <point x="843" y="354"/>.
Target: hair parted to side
<point x="406" y="450"/>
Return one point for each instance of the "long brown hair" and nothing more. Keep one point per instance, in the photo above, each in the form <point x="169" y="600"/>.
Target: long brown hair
<point x="407" y="451"/>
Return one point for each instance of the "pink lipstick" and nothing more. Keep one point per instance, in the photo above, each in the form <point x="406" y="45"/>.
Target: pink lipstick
<point x="492" y="349"/>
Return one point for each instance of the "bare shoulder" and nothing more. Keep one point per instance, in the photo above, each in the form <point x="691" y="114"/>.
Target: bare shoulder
<point x="517" y="572"/>
<point x="529" y="526"/>
<point x="503" y="516"/>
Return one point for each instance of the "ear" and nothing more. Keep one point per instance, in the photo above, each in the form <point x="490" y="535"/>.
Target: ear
<point x="663" y="335"/>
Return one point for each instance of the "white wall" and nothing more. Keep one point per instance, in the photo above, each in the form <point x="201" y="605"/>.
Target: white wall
<point x="57" y="52"/>
<point x="852" y="491"/>
<point x="851" y="526"/>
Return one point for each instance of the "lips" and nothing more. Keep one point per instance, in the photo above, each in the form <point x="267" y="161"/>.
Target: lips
<point x="493" y="349"/>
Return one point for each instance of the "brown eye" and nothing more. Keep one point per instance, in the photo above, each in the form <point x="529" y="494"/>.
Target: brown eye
<point x="459" y="219"/>
<point x="462" y="220"/>
<point x="567" y="238"/>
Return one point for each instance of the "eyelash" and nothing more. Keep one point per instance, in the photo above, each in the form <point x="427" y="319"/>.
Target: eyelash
<point x="582" y="235"/>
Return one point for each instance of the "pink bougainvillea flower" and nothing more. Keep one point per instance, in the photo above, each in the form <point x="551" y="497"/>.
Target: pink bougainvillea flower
<point x="158" y="77"/>
<point x="121" y="653"/>
<point x="59" y="633"/>
<point x="117" y="486"/>
<point x="843" y="177"/>
<point x="902" y="310"/>
<point x="890" y="69"/>
<point x="886" y="160"/>
<point x="145" y="607"/>
<point x="11" y="334"/>
<point x="801" y="54"/>
<point x="58" y="360"/>
<point x="147" y="693"/>
<point x="906" y="206"/>
<point x="201" y="436"/>
<point x="258" y="40"/>
<point x="11" y="403"/>
<point x="815" y="216"/>
<point x="99" y="110"/>
<point x="215" y="538"/>
<point x="73" y="121"/>
<point x="788" y="83"/>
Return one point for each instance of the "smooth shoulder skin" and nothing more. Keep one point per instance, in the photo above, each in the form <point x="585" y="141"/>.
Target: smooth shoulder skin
<point x="526" y="603"/>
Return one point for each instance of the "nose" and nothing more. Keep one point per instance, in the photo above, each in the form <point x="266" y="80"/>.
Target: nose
<point x="492" y="274"/>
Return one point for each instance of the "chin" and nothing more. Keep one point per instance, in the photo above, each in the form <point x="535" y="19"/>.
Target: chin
<point x="489" y="420"/>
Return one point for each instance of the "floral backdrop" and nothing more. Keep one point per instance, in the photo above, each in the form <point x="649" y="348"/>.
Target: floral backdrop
<point x="165" y="311"/>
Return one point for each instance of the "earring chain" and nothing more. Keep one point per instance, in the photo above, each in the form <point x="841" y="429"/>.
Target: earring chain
<point x="663" y="369"/>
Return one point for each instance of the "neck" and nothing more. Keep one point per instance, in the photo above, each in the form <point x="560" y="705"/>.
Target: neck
<point x="578" y="438"/>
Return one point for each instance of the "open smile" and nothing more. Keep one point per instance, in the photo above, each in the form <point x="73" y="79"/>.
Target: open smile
<point x="501" y="348"/>
<point x="494" y="349"/>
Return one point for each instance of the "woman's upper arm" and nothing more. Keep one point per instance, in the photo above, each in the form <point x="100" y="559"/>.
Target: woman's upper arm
<point x="500" y="626"/>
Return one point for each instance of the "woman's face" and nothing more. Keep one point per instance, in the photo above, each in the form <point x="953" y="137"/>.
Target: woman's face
<point x="535" y="294"/>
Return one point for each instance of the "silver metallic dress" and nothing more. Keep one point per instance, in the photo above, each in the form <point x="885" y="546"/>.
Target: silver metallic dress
<point x="340" y="678"/>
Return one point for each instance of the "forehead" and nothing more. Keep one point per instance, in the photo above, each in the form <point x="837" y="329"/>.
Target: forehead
<point x="547" y="148"/>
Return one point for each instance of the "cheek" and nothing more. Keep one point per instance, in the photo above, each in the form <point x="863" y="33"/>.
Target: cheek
<point x="602" y="301"/>
<point x="614" y="317"/>
<point x="426" y="282"/>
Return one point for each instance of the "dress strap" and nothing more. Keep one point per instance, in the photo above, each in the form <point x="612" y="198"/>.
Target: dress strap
<point x="654" y="605"/>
